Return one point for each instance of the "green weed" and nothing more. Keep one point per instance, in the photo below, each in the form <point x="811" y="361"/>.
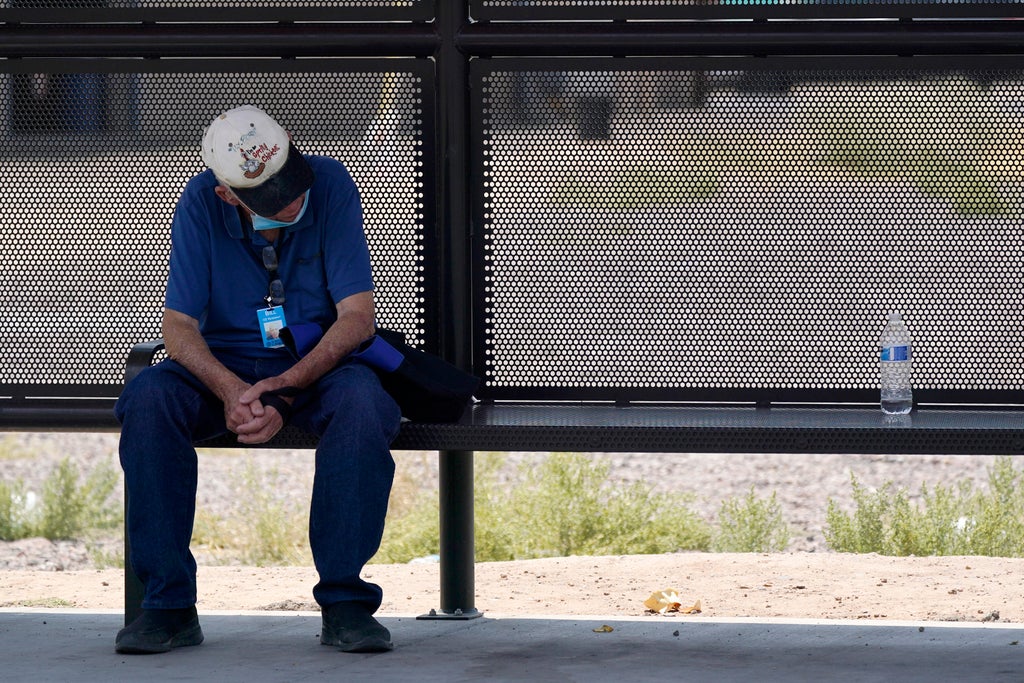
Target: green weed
<point x="953" y="520"/>
<point x="14" y="511"/>
<point x="64" y="509"/>
<point x="46" y="603"/>
<point x="751" y="525"/>
<point x="563" y="506"/>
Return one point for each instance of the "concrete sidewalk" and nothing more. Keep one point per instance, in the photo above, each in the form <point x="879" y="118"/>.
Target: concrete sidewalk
<point x="77" y="645"/>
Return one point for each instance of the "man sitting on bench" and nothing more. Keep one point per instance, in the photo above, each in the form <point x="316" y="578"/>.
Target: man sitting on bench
<point x="265" y="240"/>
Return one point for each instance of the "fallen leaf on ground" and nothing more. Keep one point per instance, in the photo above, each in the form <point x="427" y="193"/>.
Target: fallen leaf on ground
<point x="663" y="601"/>
<point x="667" y="601"/>
<point x="604" y="629"/>
<point x="695" y="609"/>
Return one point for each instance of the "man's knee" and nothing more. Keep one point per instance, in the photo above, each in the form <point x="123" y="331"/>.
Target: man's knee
<point x="354" y="394"/>
<point x="154" y="390"/>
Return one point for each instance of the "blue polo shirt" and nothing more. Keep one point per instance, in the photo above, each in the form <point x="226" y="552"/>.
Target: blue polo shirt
<point x="217" y="274"/>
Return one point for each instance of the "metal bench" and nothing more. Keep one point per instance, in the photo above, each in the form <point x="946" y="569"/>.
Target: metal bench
<point x="700" y="264"/>
<point x="654" y="428"/>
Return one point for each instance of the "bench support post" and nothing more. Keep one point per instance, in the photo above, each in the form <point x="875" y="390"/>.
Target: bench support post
<point x="457" y="546"/>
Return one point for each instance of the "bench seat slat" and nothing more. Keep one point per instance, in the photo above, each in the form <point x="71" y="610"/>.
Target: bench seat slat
<point x="660" y="429"/>
<point x="632" y="429"/>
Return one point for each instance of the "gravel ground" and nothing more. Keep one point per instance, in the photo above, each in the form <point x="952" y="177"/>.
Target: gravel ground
<point x="803" y="484"/>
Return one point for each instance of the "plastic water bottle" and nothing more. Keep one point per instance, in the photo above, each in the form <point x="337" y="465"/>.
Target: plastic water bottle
<point x="897" y="356"/>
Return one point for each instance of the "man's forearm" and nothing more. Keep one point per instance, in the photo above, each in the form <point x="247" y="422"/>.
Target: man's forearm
<point x="342" y="338"/>
<point x="186" y="345"/>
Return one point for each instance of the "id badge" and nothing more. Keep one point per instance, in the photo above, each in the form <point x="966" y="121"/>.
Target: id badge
<point x="271" y="321"/>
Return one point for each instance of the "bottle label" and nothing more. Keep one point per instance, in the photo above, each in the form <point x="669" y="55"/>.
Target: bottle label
<point x="895" y="353"/>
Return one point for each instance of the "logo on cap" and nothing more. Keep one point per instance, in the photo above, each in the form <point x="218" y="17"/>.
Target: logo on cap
<point x="255" y="158"/>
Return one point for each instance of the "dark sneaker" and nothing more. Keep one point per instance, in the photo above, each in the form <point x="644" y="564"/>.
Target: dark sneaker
<point x="159" y="630"/>
<point x="351" y="627"/>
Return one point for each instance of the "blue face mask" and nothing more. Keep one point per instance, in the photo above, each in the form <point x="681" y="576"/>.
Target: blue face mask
<point x="261" y="223"/>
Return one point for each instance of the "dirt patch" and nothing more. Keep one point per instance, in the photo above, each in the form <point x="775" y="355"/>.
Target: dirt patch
<point x="791" y="585"/>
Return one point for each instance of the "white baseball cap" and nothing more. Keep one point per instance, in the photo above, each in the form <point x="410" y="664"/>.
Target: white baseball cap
<point x="252" y="154"/>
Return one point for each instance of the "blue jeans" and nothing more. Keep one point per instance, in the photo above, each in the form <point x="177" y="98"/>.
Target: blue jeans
<point x="165" y="409"/>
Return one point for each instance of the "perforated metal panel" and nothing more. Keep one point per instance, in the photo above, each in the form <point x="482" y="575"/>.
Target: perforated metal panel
<point x="129" y="4"/>
<point x="92" y="163"/>
<point x="737" y="230"/>
<point x="215" y="10"/>
<point x="646" y="9"/>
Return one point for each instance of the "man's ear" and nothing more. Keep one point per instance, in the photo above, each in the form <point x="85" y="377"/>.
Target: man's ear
<point x="227" y="195"/>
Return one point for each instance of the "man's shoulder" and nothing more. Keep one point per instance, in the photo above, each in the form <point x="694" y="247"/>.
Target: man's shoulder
<point x="328" y="167"/>
<point x="198" y="186"/>
<point x="200" y="211"/>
